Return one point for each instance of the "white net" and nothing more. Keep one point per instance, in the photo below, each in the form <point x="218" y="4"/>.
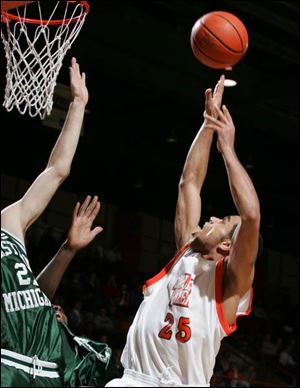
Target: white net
<point x="34" y="53"/>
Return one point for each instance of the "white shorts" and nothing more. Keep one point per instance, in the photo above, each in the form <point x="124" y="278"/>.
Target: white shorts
<point x="135" y="379"/>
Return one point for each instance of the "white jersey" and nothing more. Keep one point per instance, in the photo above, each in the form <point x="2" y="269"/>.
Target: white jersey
<point x="178" y="328"/>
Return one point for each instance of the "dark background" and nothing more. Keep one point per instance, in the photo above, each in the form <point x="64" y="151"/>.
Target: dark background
<point x="147" y="89"/>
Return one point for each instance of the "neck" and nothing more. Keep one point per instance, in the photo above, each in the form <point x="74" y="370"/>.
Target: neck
<point x="198" y="245"/>
<point x="207" y="252"/>
<point x="212" y="256"/>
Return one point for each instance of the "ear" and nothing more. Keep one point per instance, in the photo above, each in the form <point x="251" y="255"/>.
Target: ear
<point x="224" y="247"/>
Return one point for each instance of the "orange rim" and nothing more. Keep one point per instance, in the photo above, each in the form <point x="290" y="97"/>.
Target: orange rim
<point x="8" y="16"/>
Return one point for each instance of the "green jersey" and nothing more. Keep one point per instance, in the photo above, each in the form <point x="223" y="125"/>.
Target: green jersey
<point x="29" y="329"/>
<point x="87" y="361"/>
<point x="31" y="334"/>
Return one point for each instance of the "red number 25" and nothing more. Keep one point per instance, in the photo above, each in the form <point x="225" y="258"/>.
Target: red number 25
<point x="184" y="331"/>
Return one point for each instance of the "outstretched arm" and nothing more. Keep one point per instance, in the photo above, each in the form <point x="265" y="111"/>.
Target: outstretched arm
<point x="188" y="209"/>
<point x="79" y="236"/>
<point x="240" y="265"/>
<point x="17" y="217"/>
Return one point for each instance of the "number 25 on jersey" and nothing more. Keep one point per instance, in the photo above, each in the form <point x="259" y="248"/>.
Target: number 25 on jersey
<point x="183" y="333"/>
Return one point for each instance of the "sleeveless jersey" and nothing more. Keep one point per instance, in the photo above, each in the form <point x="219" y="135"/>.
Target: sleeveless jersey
<point x="178" y="328"/>
<point x="28" y="322"/>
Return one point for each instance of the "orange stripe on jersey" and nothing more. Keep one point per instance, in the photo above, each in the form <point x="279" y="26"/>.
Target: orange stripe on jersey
<point x="249" y="307"/>
<point x="218" y="290"/>
<point x="167" y="267"/>
<point x="218" y="286"/>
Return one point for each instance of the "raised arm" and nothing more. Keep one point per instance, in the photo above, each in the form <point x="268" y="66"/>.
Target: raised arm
<point x="17" y="217"/>
<point x="240" y="265"/>
<point x="188" y="208"/>
<point x="79" y="236"/>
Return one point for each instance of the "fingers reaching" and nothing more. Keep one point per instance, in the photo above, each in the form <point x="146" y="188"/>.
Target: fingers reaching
<point x="207" y="93"/>
<point x="208" y="97"/>
<point x="73" y="64"/>
<point x="81" y="232"/>
<point x="93" y="208"/>
<point x="75" y="211"/>
<point x="97" y="230"/>
<point x="216" y="88"/>
<point x="212" y="122"/>
<point x="75" y="69"/>
<point x="78" y="82"/>
<point x="227" y="113"/>
<point x="90" y="208"/>
<point x="219" y="88"/>
<point x="84" y="206"/>
<point x="224" y="114"/>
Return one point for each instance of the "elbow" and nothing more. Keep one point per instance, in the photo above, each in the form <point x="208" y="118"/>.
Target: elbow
<point x="253" y="216"/>
<point x="187" y="180"/>
<point x="63" y="175"/>
<point x="61" y="172"/>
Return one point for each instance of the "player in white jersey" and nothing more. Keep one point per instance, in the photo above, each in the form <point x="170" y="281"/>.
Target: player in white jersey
<point x="194" y="301"/>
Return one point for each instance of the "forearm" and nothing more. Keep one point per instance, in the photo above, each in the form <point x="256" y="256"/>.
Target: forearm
<point x="49" y="278"/>
<point x="241" y="186"/>
<point x="63" y="152"/>
<point x="196" y="163"/>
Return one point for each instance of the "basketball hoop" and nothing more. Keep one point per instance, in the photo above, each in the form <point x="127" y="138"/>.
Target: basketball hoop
<point x="36" y="36"/>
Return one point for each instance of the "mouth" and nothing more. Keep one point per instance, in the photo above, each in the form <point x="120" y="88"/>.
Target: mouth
<point x="59" y="317"/>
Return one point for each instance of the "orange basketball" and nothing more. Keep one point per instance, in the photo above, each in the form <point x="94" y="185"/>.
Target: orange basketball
<point x="219" y="39"/>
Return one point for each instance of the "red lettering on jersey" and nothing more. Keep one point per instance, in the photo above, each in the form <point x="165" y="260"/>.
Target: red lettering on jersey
<point x="181" y="291"/>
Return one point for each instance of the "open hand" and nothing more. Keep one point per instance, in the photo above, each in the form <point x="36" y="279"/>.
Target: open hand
<point x="77" y="83"/>
<point x="81" y="232"/>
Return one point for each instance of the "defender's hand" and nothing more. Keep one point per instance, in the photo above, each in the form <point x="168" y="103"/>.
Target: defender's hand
<point x="81" y="232"/>
<point x="77" y="83"/>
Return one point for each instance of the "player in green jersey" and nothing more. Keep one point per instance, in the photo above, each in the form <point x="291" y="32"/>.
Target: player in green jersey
<point x="31" y="343"/>
<point x="87" y="362"/>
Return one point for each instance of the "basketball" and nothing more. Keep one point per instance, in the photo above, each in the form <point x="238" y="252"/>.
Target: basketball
<point x="219" y="40"/>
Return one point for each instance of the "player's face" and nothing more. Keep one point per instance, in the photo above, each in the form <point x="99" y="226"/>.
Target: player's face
<point x="220" y="226"/>
<point x="60" y="314"/>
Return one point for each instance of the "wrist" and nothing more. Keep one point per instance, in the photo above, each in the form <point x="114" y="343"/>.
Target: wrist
<point x="228" y="152"/>
<point x="69" y="249"/>
<point x="206" y="130"/>
<point x="79" y="101"/>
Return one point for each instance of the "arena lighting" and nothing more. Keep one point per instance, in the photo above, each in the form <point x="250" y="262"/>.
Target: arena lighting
<point x="172" y="138"/>
<point x="230" y="82"/>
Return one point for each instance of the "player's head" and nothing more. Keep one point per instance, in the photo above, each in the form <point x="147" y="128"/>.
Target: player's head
<point x="217" y="234"/>
<point x="60" y="314"/>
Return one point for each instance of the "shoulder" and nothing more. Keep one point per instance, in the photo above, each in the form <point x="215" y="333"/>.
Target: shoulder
<point x="10" y="240"/>
<point x="10" y="221"/>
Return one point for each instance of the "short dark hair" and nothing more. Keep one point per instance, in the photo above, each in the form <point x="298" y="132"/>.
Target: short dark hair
<point x="230" y="234"/>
